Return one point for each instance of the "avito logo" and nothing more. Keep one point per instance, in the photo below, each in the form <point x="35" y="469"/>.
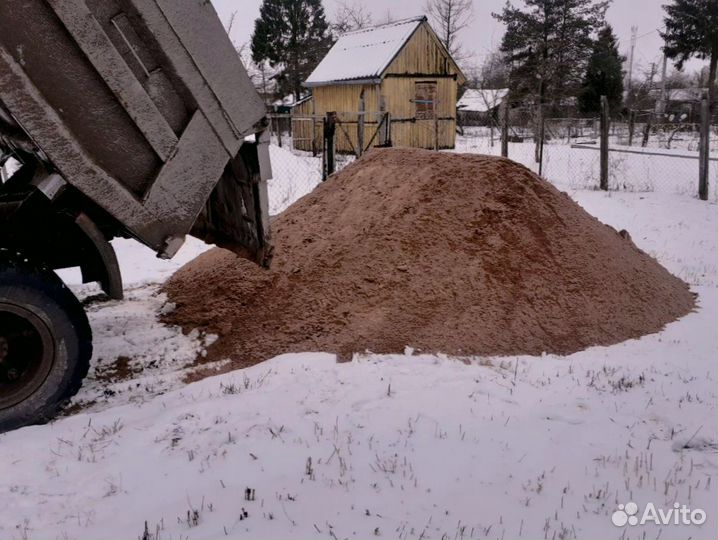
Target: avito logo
<point x="628" y="514"/>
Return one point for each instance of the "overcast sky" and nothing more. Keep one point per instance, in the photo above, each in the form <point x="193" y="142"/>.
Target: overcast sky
<point x="485" y="32"/>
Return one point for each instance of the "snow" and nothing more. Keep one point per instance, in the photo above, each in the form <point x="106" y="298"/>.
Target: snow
<point x="401" y="446"/>
<point x="290" y="101"/>
<point x="478" y="100"/>
<point x="293" y="177"/>
<point x="633" y="169"/>
<point x="364" y="54"/>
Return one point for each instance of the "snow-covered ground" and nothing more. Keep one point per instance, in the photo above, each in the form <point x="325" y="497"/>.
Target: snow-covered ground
<point x="388" y="446"/>
<point x="634" y="169"/>
<point x="294" y="176"/>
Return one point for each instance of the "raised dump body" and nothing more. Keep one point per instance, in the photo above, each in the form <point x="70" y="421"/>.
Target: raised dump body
<point x="141" y="105"/>
<point x="127" y="118"/>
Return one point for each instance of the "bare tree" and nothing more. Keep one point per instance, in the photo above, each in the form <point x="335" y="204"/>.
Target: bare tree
<point x="494" y="72"/>
<point x="350" y="17"/>
<point x="262" y="74"/>
<point x="229" y="26"/>
<point x="450" y="17"/>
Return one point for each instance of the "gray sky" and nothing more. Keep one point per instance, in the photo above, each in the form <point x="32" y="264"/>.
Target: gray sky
<point x="485" y="32"/>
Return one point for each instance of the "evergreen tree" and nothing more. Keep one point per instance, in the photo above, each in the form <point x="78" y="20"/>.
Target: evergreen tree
<point x="692" y="31"/>
<point x="293" y="36"/>
<point x="604" y="75"/>
<point x="548" y="44"/>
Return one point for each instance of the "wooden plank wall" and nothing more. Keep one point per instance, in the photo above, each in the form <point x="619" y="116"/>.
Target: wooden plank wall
<point x="423" y="59"/>
<point x="307" y="128"/>
<point x="399" y="94"/>
<point x="423" y="54"/>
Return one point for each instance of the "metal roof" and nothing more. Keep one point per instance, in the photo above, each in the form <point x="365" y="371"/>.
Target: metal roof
<point x="364" y="55"/>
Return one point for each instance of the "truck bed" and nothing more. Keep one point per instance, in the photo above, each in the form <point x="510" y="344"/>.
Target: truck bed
<point x="145" y="108"/>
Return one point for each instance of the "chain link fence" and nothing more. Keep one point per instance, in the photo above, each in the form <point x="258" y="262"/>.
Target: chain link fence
<point x="643" y="156"/>
<point x="295" y="173"/>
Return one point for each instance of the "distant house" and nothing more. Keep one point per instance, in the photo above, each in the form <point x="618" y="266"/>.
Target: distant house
<point x="682" y="104"/>
<point x="287" y="103"/>
<point x="400" y="68"/>
<point x="477" y="106"/>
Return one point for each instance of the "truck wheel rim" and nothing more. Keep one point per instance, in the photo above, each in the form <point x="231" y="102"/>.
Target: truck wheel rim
<point x="27" y="354"/>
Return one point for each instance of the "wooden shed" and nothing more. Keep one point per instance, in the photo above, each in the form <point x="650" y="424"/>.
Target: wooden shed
<point x="401" y="77"/>
<point x="479" y="107"/>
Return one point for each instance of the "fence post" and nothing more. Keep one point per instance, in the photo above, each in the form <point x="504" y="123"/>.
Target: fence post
<point x="436" y="128"/>
<point x="329" y="146"/>
<point x="360" y="126"/>
<point x="279" y="130"/>
<point x="605" y="124"/>
<point x="538" y="135"/>
<point x="542" y="137"/>
<point x="383" y="119"/>
<point x="505" y="128"/>
<point x="647" y="130"/>
<point x="315" y="150"/>
<point x="631" y="126"/>
<point x="387" y="137"/>
<point x="704" y="151"/>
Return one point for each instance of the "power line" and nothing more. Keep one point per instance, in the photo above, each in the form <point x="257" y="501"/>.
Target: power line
<point x="649" y="33"/>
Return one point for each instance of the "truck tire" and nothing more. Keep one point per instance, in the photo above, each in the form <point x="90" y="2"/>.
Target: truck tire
<point x="45" y="343"/>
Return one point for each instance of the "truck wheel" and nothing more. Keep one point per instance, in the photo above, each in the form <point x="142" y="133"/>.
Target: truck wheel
<point x="45" y="344"/>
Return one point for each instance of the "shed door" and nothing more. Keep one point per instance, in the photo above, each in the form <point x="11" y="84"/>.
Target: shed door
<point x="425" y="100"/>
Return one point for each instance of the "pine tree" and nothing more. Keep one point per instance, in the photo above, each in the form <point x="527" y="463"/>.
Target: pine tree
<point x="548" y="44"/>
<point x="692" y="31"/>
<point x="604" y="75"/>
<point x="293" y="36"/>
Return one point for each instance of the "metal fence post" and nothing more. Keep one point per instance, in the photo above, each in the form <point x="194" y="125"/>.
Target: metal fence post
<point x="329" y="145"/>
<point x="538" y="135"/>
<point x="505" y="127"/>
<point x="605" y="124"/>
<point x="647" y="130"/>
<point x="542" y="138"/>
<point x="360" y="126"/>
<point x="704" y="151"/>
<point x="387" y="138"/>
<point x="631" y="126"/>
<point x="436" y="128"/>
<point x="315" y="150"/>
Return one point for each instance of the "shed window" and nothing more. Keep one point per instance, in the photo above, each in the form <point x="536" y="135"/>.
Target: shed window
<point x="425" y="100"/>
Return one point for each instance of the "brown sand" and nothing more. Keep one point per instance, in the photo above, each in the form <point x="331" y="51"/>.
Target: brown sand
<point x="462" y="254"/>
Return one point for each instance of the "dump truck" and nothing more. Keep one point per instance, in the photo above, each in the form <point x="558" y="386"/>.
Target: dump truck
<point x="118" y="118"/>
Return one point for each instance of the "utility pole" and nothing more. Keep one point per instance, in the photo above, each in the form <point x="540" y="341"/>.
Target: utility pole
<point x="634" y="38"/>
<point x="651" y="77"/>
<point x="662" y="102"/>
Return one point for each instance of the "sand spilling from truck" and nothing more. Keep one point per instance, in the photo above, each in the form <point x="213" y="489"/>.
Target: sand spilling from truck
<point x="460" y="254"/>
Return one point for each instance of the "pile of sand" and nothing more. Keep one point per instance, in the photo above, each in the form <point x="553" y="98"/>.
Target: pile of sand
<point x="462" y="254"/>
